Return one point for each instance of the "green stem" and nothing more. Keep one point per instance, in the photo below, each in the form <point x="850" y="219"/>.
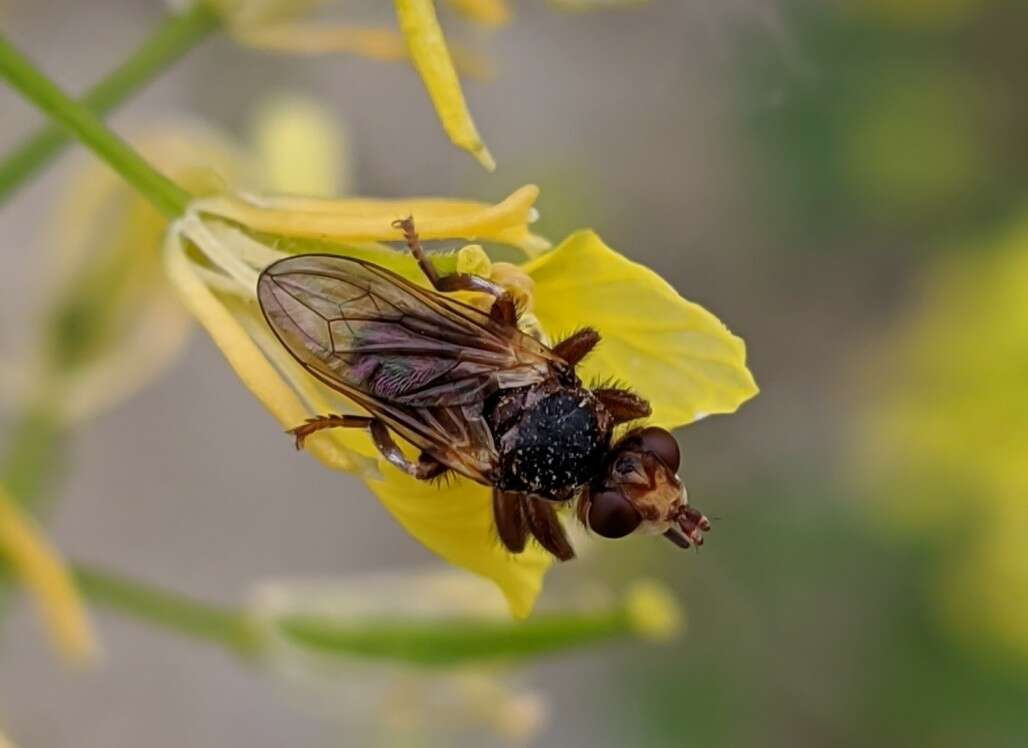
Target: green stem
<point x="175" y="36"/>
<point x="34" y="458"/>
<point x="165" y="609"/>
<point x="456" y="641"/>
<point x="24" y="77"/>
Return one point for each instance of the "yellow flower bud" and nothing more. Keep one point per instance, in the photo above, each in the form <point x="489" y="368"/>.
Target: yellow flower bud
<point x="653" y="610"/>
<point x="45" y="576"/>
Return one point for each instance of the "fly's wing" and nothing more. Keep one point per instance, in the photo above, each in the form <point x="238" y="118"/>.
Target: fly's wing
<point x="360" y="327"/>
<point x="413" y="357"/>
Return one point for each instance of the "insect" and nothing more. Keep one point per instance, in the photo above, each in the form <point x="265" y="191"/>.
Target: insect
<point x="479" y="397"/>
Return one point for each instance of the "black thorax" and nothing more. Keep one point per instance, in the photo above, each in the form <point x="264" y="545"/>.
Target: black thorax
<point x="551" y="438"/>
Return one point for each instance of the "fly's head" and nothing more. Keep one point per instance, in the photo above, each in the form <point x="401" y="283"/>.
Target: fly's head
<point x="639" y="489"/>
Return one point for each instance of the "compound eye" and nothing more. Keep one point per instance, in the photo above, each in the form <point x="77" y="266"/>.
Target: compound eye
<point x="660" y="442"/>
<point x="612" y="515"/>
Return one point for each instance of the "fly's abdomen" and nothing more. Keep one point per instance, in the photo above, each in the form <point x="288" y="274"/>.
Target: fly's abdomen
<point x="553" y="443"/>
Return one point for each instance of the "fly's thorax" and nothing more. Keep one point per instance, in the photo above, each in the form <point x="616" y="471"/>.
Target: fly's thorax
<point x="551" y="438"/>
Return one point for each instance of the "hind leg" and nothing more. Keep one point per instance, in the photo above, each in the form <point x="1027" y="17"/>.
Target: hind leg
<point x="426" y="468"/>
<point x="320" y="423"/>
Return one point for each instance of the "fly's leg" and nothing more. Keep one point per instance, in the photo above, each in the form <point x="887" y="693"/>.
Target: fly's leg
<point x="574" y="348"/>
<point x="511" y="523"/>
<point x="320" y="423"/>
<point x="623" y="405"/>
<point x="426" y="468"/>
<point x="503" y="309"/>
<point x="546" y="528"/>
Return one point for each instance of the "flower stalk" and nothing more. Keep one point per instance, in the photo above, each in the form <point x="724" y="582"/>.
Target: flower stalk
<point x="176" y="35"/>
<point x="38" y="565"/>
<point x="35" y="451"/>
<point x="444" y="642"/>
<point x="437" y="641"/>
<point x="77" y="118"/>
<point x="168" y="610"/>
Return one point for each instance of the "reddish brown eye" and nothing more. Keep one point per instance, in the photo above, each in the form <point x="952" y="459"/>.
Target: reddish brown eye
<point x="612" y="515"/>
<point x="660" y="442"/>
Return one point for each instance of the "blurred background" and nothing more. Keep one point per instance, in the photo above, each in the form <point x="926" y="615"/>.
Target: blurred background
<point x="842" y="183"/>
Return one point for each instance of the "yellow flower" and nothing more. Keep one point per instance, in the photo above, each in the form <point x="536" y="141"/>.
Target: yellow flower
<point x="302" y="150"/>
<point x="944" y="447"/>
<point x="282" y="26"/>
<point x="594" y="4"/>
<point x="654" y="612"/>
<point x="112" y="322"/>
<point x="674" y="352"/>
<point x="485" y="12"/>
<point x="44" y="574"/>
<point x="431" y="57"/>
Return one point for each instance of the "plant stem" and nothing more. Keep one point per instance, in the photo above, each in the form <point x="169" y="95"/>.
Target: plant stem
<point x="456" y="641"/>
<point x="165" y="195"/>
<point x="34" y="457"/>
<point x="168" y="610"/>
<point x="175" y="36"/>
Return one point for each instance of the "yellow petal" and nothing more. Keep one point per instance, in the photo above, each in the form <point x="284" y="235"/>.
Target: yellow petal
<point x="674" y="353"/>
<point x="44" y="574"/>
<point x="582" y="5"/>
<point x="5" y="742"/>
<point x="432" y="60"/>
<point x="109" y="307"/>
<point x="371" y="220"/>
<point x="455" y="520"/>
<point x="249" y="363"/>
<point x="302" y="148"/>
<point x="472" y="260"/>
<point x="317" y="38"/>
<point x="248" y="14"/>
<point x="486" y="12"/>
<point x="654" y="611"/>
<point x="517" y="282"/>
<point x="384" y="45"/>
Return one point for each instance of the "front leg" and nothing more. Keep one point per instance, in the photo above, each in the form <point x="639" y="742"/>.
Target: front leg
<point x="622" y="404"/>
<point x="544" y="524"/>
<point x="503" y="309"/>
<point x="509" y="516"/>
<point x="574" y="348"/>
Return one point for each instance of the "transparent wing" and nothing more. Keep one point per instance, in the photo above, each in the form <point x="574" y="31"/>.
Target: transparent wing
<point x="362" y="327"/>
<point x="417" y="359"/>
